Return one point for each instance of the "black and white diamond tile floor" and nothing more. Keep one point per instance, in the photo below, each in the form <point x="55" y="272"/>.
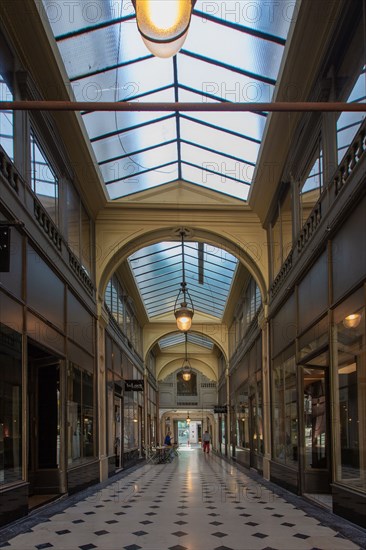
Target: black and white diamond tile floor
<point x="197" y="502"/>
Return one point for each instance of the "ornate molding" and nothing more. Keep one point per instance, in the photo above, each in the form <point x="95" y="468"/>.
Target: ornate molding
<point x="47" y="225"/>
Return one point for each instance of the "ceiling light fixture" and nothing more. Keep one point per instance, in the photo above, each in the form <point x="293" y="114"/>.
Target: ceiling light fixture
<point x="352" y="321"/>
<point x="163" y="24"/>
<point x="186" y="368"/>
<point x="184" y="314"/>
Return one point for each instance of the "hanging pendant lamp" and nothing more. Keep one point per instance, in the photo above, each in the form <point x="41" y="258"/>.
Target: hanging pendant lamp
<point x="186" y="368"/>
<point x="183" y="314"/>
<point x="163" y="24"/>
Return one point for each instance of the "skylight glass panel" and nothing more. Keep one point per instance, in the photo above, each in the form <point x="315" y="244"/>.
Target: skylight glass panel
<point x="235" y="48"/>
<point x="102" y="123"/>
<point x="125" y="83"/>
<point x="268" y="16"/>
<point x="215" y="182"/>
<point x="217" y="163"/>
<point x="135" y="140"/>
<point x="244" y="124"/>
<point x="228" y="144"/>
<point x="155" y="261"/>
<point x="68" y="17"/>
<point x="177" y="339"/>
<point x="134" y="164"/>
<point x="102" y="48"/>
<point x="222" y="83"/>
<point x="136" y="184"/>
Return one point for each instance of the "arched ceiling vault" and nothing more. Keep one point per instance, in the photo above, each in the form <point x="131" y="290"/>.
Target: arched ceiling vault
<point x="114" y="250"/>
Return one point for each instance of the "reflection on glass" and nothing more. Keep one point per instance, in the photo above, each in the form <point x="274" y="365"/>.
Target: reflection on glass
<point x="6" y="121"/>
<point x="315" y="418"/>
<point x="351" y="404"/>
<point x="284" y="412"/>
<point x="10" y="406"/>
<point x="80" y="414"/>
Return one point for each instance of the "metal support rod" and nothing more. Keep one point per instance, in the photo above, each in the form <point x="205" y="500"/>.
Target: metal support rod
<point x="280" y="106"/>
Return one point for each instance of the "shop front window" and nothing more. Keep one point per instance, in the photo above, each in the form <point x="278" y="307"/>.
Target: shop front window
<point x="284" y="411"/>
<point x="243" y="418"/>
<point x="80" y="414"/>
<point x="10" y="406"/>
<point x="350" y="394"/>
<point x="130" y="425"/>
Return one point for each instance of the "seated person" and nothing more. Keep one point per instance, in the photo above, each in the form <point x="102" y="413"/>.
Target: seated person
<point x="168" y="440"/>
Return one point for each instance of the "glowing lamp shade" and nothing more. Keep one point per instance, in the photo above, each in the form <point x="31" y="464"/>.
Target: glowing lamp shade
<point x="183" y="316"/>
<point x="186" y="376"/>
<point x="352" y="321"/>
<point x="163" y="24"/>
<point x="188" y="420"/>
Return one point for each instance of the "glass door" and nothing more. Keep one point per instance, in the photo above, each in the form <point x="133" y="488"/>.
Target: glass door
<point x="315" y="431"/>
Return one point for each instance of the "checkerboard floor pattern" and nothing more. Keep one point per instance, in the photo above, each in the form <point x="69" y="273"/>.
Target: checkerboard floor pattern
<point x="197" y="502"/>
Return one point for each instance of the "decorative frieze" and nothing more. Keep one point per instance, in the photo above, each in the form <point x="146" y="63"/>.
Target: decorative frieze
<point x="81" y="273"/>
<point x="47" y="225"/>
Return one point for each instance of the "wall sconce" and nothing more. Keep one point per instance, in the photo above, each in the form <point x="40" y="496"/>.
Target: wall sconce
<point x="352" y="321"/>
<point x="184" y="314"/>
<point x="186" y="368"/>
<point x="188" y="420"/>
<point x="163" y="24"/>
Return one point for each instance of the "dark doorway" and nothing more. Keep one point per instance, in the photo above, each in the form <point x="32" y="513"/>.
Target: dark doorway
<point x="44" y="449"/>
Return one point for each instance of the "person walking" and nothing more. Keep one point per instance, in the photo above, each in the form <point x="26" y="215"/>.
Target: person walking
<point x="206" y="442"/>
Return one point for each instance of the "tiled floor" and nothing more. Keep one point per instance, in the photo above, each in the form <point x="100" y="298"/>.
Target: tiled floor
<point x="197" y="502"/>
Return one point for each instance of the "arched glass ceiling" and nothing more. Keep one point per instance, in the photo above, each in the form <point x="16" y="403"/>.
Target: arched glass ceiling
<point x="157" y="270"/>
<point x="232" y="54"/>
<point x="192" y="338"/>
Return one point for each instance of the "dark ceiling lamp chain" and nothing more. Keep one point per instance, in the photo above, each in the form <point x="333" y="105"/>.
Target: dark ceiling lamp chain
<point x="183" y="314"/>
<point x="186" y="368"/>
<point x="163" y="24"/>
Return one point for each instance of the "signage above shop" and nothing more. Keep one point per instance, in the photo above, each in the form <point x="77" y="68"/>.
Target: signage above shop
<point x="134" y="385"/>
<point x="220" y="409"/>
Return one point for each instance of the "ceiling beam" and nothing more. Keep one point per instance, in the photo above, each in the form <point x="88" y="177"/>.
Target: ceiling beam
<point x="281" y="106"/>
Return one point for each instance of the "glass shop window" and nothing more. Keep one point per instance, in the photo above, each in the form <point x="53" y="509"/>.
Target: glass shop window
<point x="10" y="406"/>
<point x="243" y="419"/>
<point x="348" y="124"/>
<point x="80" y="414"/>
<point x="284" y="411"/>
<point x="349" y="340"/>
<point x="6" y="121"/>
<point x="44" y="182"/>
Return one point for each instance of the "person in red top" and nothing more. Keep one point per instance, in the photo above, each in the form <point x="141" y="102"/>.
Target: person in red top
<point x="206" y="442"/>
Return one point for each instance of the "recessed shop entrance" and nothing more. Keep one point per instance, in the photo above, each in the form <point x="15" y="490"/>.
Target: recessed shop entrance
<point x="314" y="426"/>
<point x="44" y="421"/>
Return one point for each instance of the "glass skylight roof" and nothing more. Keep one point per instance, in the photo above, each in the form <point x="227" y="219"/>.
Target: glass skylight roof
<point x="232" y="54"/>
<point x="192" y="338"/>
<point x="158" y="273"/>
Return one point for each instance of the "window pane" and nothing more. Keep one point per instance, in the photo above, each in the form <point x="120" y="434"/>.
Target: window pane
<point x="312" y="187"/>
<point x="88" y="415"/>
<point x="10" y="406"/>
<point x="43" y="179"/>
<point x="284" y="411"/>
<point x="351" y="399"/>
<point x="85" y="241"/>
<point x="349" y="123"/>
<point x="74" y="414"/>
<point x="73" y="219"/>
<point x="6" y="121"/>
